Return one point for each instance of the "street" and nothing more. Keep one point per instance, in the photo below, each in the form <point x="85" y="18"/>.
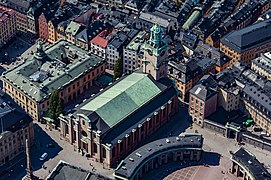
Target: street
<point x="62" y="151"/>
<point x="180" y="123"/>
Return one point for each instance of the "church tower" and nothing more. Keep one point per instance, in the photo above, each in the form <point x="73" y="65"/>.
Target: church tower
<point x="155" y="54"/>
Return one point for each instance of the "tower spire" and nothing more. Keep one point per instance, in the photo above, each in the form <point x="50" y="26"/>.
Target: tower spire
<point x="40" y="52"/>
<point x="155" y="54"/>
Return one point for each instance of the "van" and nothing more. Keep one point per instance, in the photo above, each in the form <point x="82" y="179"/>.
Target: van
<point x="43" y="156"/>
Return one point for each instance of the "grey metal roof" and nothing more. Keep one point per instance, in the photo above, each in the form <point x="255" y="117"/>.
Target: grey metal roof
<point x="258" y="97"/>
<point x="11" y="115"/>
<point x="263" y="62"/>
<point x="21" y="5"/>
<point x="66" y="171"/>
<point x="249" y="37"/>
<point x="205" y="88"/>
<point x="251" y="164"/>
<point x="58" y="72"/>
<point x="132" y="162"/>
<point x="186" y="70"/>
<point x="118" y="40"/>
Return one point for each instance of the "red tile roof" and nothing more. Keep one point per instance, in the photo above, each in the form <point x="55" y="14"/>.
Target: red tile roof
<point x="5" y="14"/>
<point x="102" y="38"/>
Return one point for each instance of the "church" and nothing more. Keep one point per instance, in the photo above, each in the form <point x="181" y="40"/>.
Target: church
<point x="113" y="123"/>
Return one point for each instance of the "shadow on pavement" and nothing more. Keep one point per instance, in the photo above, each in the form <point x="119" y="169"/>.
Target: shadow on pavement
<point x="174" y="127"/>
<point x="15" y="47"/>
<point x="39" y="147"/>
<point x="208" y="159"/>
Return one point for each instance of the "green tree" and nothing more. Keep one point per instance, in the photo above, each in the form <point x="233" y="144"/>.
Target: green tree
<point x="118" y="69"/>
<point x="55" y="106"/>
<point x="59" y="110"/>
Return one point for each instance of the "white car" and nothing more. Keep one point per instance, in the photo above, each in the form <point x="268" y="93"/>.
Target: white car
<point x="43" y="156"/>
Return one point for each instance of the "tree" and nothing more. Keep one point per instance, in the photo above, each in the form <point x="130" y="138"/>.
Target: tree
<point x="118" y="69"/>
<point x="59" y="110"/>
<point x="55" y="106"/>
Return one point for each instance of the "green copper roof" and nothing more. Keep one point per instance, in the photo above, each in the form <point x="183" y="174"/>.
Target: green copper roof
<point x="155" y="44"/>
<point x="73" y="28"/>
<point x="124" y="98"/>
<point x="51" y="73"/>
<point x="193" y="18"/>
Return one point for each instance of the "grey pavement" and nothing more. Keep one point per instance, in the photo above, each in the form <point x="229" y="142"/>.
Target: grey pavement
<point x="180" y="123"/>
<point x="214" y="142"/>
<point x="62" y="151"/>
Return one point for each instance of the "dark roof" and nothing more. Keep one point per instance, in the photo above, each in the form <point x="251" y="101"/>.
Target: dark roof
<point x="249" y="37"/>
<point x="21" y="6"/>
<point x="66" y="171"/>
<point x="222" y="60"/>
<point x="205" y="88"/>
<point x="11" y="115"/>
<point x="136" y="159"/>
<point x="118" y="40"/>
<point x="259" y="97"/>
<point x="251" y="164"/>
<point x="186" y="70"/>
<point x="250" y="8"/>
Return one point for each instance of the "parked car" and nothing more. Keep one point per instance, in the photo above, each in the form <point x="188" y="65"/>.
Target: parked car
<point x="43" y="156"/>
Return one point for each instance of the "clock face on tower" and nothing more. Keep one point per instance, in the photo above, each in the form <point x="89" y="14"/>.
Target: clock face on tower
<point x="150" y="52"/>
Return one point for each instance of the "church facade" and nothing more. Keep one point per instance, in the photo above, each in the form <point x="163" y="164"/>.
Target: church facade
<point x="117" y="120"/>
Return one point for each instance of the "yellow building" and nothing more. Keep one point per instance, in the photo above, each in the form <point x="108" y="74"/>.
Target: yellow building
<point x="62" y="66"/>
<point x="52" y="32"/>
<point x="248" y="43"/>
<point x="187" y="73"/>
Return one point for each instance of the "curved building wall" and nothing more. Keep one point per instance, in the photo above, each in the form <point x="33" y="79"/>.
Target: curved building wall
<point x="157" y="153"/>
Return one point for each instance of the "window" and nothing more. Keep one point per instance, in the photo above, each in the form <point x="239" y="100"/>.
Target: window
<point x="150" y="124"/>
<point x="121" y="146"/>
<point x="95" y="148"/>
<point x="113" y="152"/>
<point x="129" y="140"/>
<point x="104" y="153"/>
